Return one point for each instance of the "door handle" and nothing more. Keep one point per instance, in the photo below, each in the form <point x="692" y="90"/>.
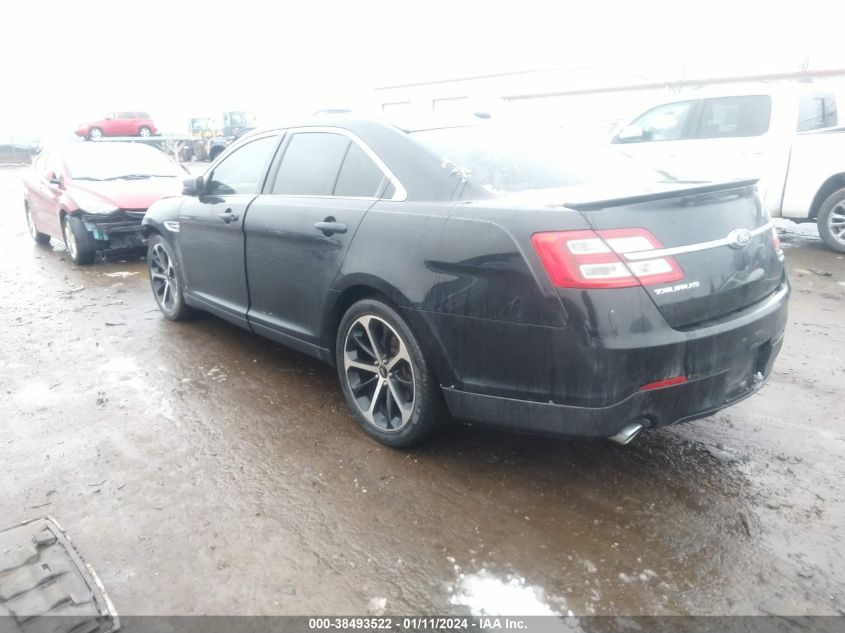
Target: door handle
<point x="330" y="226"/>
<point x="227" y="216"/>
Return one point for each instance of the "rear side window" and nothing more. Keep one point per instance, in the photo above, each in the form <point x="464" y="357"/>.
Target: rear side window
<point x="243" y="170"/>
<point x="311" y="164"/>
<point x="726" y="117"/>
<point x="127" y="115"/>
<point x="359" y="176"/>
<point x="816" y="110"/>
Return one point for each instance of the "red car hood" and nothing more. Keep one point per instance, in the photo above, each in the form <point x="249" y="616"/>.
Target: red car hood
<point x="128" y="194"/>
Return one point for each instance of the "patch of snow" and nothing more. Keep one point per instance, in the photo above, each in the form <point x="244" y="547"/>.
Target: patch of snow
<point x="121" y="273"/>
<point x="804" y="229"/>
<point x="485" y="594"/>
<point x="36" y="393"/>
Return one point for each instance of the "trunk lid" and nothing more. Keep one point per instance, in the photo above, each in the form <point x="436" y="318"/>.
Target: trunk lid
<point x="718" y="233"/>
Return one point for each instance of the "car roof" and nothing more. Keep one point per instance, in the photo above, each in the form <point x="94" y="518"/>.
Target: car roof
<point x="357" y="123"/>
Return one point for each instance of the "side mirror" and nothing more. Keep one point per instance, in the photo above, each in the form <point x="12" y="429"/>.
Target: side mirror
<point x="192" y="186"/>
<point x="53" y="179"/>
<point x="630" y="133"/>
<point x="109" y="117"/>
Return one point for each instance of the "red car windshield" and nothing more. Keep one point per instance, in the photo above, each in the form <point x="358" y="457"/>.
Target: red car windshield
<point x="118" y="161"/>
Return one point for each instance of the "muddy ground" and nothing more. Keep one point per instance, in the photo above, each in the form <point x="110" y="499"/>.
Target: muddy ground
<point x="203" y="470"/>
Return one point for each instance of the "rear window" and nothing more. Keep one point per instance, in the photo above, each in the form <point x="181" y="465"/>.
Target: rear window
<point x="505" y="160"/>
<point x="725" y="117"/>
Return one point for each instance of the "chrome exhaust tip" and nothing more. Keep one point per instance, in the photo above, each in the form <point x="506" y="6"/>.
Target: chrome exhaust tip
<point x="627" y="433"/>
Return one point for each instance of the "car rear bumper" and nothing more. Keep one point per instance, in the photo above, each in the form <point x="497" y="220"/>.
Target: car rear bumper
<point x="724" y="363"/>
<point x="659" y="407"/>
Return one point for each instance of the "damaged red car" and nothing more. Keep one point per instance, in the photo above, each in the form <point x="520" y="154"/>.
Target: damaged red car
<point x="93" y="196"/>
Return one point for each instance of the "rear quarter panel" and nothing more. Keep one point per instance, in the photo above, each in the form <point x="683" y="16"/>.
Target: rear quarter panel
<point x="465" y="276"/>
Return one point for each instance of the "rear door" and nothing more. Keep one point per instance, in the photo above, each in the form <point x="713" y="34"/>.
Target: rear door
<point x="298" y="231"/>
<point x="211" y="235"/>
<point x="715" y="244"/>
<point x="126" y="123"/>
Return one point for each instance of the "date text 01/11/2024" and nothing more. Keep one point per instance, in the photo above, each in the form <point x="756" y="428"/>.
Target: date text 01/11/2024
<point x="419" y="623"/>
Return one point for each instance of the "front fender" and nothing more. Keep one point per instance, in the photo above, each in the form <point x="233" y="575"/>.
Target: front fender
<point x="163" y="217"/>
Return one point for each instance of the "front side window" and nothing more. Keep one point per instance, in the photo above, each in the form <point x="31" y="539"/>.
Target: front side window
<point x="726" y="117"/>
<point x="243" y="170"/>
<point x="311" y="164"/>
<point x="666" y="122"/>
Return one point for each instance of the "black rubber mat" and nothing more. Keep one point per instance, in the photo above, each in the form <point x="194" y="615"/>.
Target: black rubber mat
<point x="46" y="587"/>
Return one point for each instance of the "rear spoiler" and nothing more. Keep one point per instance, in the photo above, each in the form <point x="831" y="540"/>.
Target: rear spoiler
<point x="709" y="187"/>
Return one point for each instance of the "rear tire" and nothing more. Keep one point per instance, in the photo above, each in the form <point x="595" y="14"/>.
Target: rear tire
<point x="832" y="221"/>
<point x="215" y="152"/>
<point x="78" y="242"/>
<point x="166" y="280"/>
<point x="40" y="238"/>
<point x="95" y="133"/>
<point x="384" y="376"/>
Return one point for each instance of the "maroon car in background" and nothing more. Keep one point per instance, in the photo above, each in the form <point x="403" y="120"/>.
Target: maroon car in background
<point x="128" y="123"/>
<point x="93" y="196"/>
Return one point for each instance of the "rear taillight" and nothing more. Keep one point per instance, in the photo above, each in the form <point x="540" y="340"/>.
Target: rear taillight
<point x="775" y="239"/>
<point x="591" y="259"/>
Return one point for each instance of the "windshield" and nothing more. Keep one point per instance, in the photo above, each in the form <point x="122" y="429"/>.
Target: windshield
<point x="237" y="119"/>
<point x="114" y="161"/>
<point x="505" y="160"/>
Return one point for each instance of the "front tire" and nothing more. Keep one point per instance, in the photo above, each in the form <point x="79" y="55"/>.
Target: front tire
<point x="832" y="221"/>
<point x="384" y="375"/>
<point x="40" y="238"/>
<point x="78" y="242"/>
<point x="165" y="280"/>
<point x="144" y="131"/>
<point x="95" y="133"/>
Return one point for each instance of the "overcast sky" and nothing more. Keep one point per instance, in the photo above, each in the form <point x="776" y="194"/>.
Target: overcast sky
<point x="65" y="62"/>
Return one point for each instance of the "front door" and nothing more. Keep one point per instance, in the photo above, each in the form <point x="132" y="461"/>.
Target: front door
<point x="211" y="230"/>
<point x="298" y="232"/>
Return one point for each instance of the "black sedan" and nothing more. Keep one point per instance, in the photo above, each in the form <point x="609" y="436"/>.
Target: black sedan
<point x="497" y="274"/>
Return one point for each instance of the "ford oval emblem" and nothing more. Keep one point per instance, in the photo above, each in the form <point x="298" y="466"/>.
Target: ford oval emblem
<point x="739" y="238"/>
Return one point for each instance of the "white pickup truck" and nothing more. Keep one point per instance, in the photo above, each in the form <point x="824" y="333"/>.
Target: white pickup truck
<point x="785" y="135"/>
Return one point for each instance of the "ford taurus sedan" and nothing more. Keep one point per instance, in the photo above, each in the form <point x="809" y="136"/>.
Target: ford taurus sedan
<point x="93" y="196"/>
<point x="499" y="275"/>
